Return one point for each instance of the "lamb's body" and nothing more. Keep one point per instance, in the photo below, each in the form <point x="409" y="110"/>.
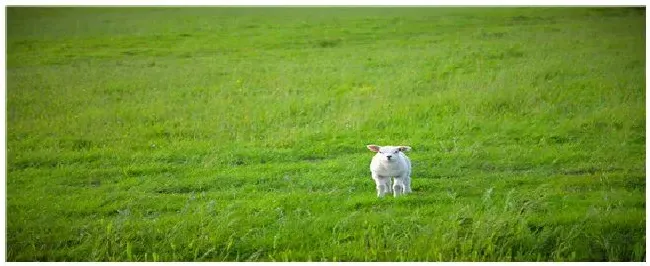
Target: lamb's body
<point x="391" y="162"/>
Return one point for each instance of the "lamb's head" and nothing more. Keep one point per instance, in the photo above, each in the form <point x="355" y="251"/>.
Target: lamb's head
<point x="388" y="153"/>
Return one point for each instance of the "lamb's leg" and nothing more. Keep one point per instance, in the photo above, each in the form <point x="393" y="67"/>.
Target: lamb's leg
<point x="389" y="185"/>
<point x="398" y="187"/>
<point x="407" y="184"/>
<point x="380" y="181"/>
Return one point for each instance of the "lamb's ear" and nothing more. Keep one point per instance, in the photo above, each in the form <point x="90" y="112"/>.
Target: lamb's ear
<point x="374" y="148"/>
<point x="404" y="148"/>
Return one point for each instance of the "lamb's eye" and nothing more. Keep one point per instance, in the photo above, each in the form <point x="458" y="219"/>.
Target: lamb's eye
<point x="396" y="151"/>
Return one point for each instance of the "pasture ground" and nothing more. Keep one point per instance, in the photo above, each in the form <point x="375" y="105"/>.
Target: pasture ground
<point x="239" y="134"/>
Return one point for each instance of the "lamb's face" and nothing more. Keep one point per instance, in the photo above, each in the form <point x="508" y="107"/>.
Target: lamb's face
<point x="388" y="154"/>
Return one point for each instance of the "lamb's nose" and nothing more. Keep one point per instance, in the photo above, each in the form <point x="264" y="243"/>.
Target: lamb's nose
<point x="388" y="156"/>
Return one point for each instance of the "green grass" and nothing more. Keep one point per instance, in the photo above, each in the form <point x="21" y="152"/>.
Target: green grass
<point x="238" y="134"/>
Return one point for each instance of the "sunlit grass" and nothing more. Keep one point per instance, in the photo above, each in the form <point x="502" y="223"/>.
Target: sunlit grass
<point x="238" y="134"/>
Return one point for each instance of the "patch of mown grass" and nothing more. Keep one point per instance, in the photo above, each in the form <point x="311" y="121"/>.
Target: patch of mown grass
<point x="238" y="134"/>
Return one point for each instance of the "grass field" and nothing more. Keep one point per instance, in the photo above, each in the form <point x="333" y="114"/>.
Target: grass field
<point x="239" y="134"/>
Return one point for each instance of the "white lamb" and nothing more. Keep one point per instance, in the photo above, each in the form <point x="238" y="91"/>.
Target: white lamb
<point x="391" y="162"/>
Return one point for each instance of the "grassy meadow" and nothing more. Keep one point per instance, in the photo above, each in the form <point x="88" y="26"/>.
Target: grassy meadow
<point x="239" y="134"/>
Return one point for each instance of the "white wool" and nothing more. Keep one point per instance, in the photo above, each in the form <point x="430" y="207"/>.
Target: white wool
<point x="391" y="162"/>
